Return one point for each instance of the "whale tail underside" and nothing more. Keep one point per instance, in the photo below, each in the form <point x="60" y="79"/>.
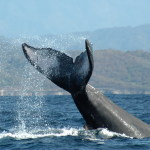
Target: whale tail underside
<point x="60" y="68"/>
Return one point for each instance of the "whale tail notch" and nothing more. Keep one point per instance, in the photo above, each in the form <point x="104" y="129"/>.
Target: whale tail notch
<point x="60" y="68"/>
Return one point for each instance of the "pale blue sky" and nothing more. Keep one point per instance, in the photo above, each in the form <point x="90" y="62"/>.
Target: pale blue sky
<point x="40" y="17"/>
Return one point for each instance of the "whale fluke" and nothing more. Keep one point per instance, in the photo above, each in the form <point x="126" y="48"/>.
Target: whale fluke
<point x="60" y="68"/>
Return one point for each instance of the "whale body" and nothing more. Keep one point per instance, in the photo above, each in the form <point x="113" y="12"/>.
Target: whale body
<point x="97" y="110"/>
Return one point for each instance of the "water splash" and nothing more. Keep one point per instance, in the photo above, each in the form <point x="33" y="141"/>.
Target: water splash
<point x="58" y="42"/>
<point x="30" y="106"/>
<point x="98" y="136"/>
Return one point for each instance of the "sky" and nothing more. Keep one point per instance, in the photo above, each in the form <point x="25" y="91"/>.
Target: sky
<point x="43" y="17"/>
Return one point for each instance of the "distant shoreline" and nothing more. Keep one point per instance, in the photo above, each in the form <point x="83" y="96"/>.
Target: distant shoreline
<point x="62" y="92"/>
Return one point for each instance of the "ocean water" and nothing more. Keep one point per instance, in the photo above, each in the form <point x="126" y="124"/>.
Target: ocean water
<point x="53" y="122"/>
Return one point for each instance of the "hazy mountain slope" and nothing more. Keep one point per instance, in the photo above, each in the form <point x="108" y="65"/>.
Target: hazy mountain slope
<point x="116" y="70"/>
<point x="122" y="38"/>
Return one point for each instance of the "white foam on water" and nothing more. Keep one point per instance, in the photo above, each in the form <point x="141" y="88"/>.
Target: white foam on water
<point x="99" y="136"/>
<point x="33" y="134"/>
<point x="106" y="134"/>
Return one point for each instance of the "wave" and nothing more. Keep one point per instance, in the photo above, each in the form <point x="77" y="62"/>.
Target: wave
<point x="92" y="135"/>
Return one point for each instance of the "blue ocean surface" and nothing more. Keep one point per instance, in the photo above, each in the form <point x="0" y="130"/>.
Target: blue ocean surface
<point x="54" y="123"/>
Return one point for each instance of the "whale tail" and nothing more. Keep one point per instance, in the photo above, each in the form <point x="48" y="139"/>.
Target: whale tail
<point x="60" y="68"/>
